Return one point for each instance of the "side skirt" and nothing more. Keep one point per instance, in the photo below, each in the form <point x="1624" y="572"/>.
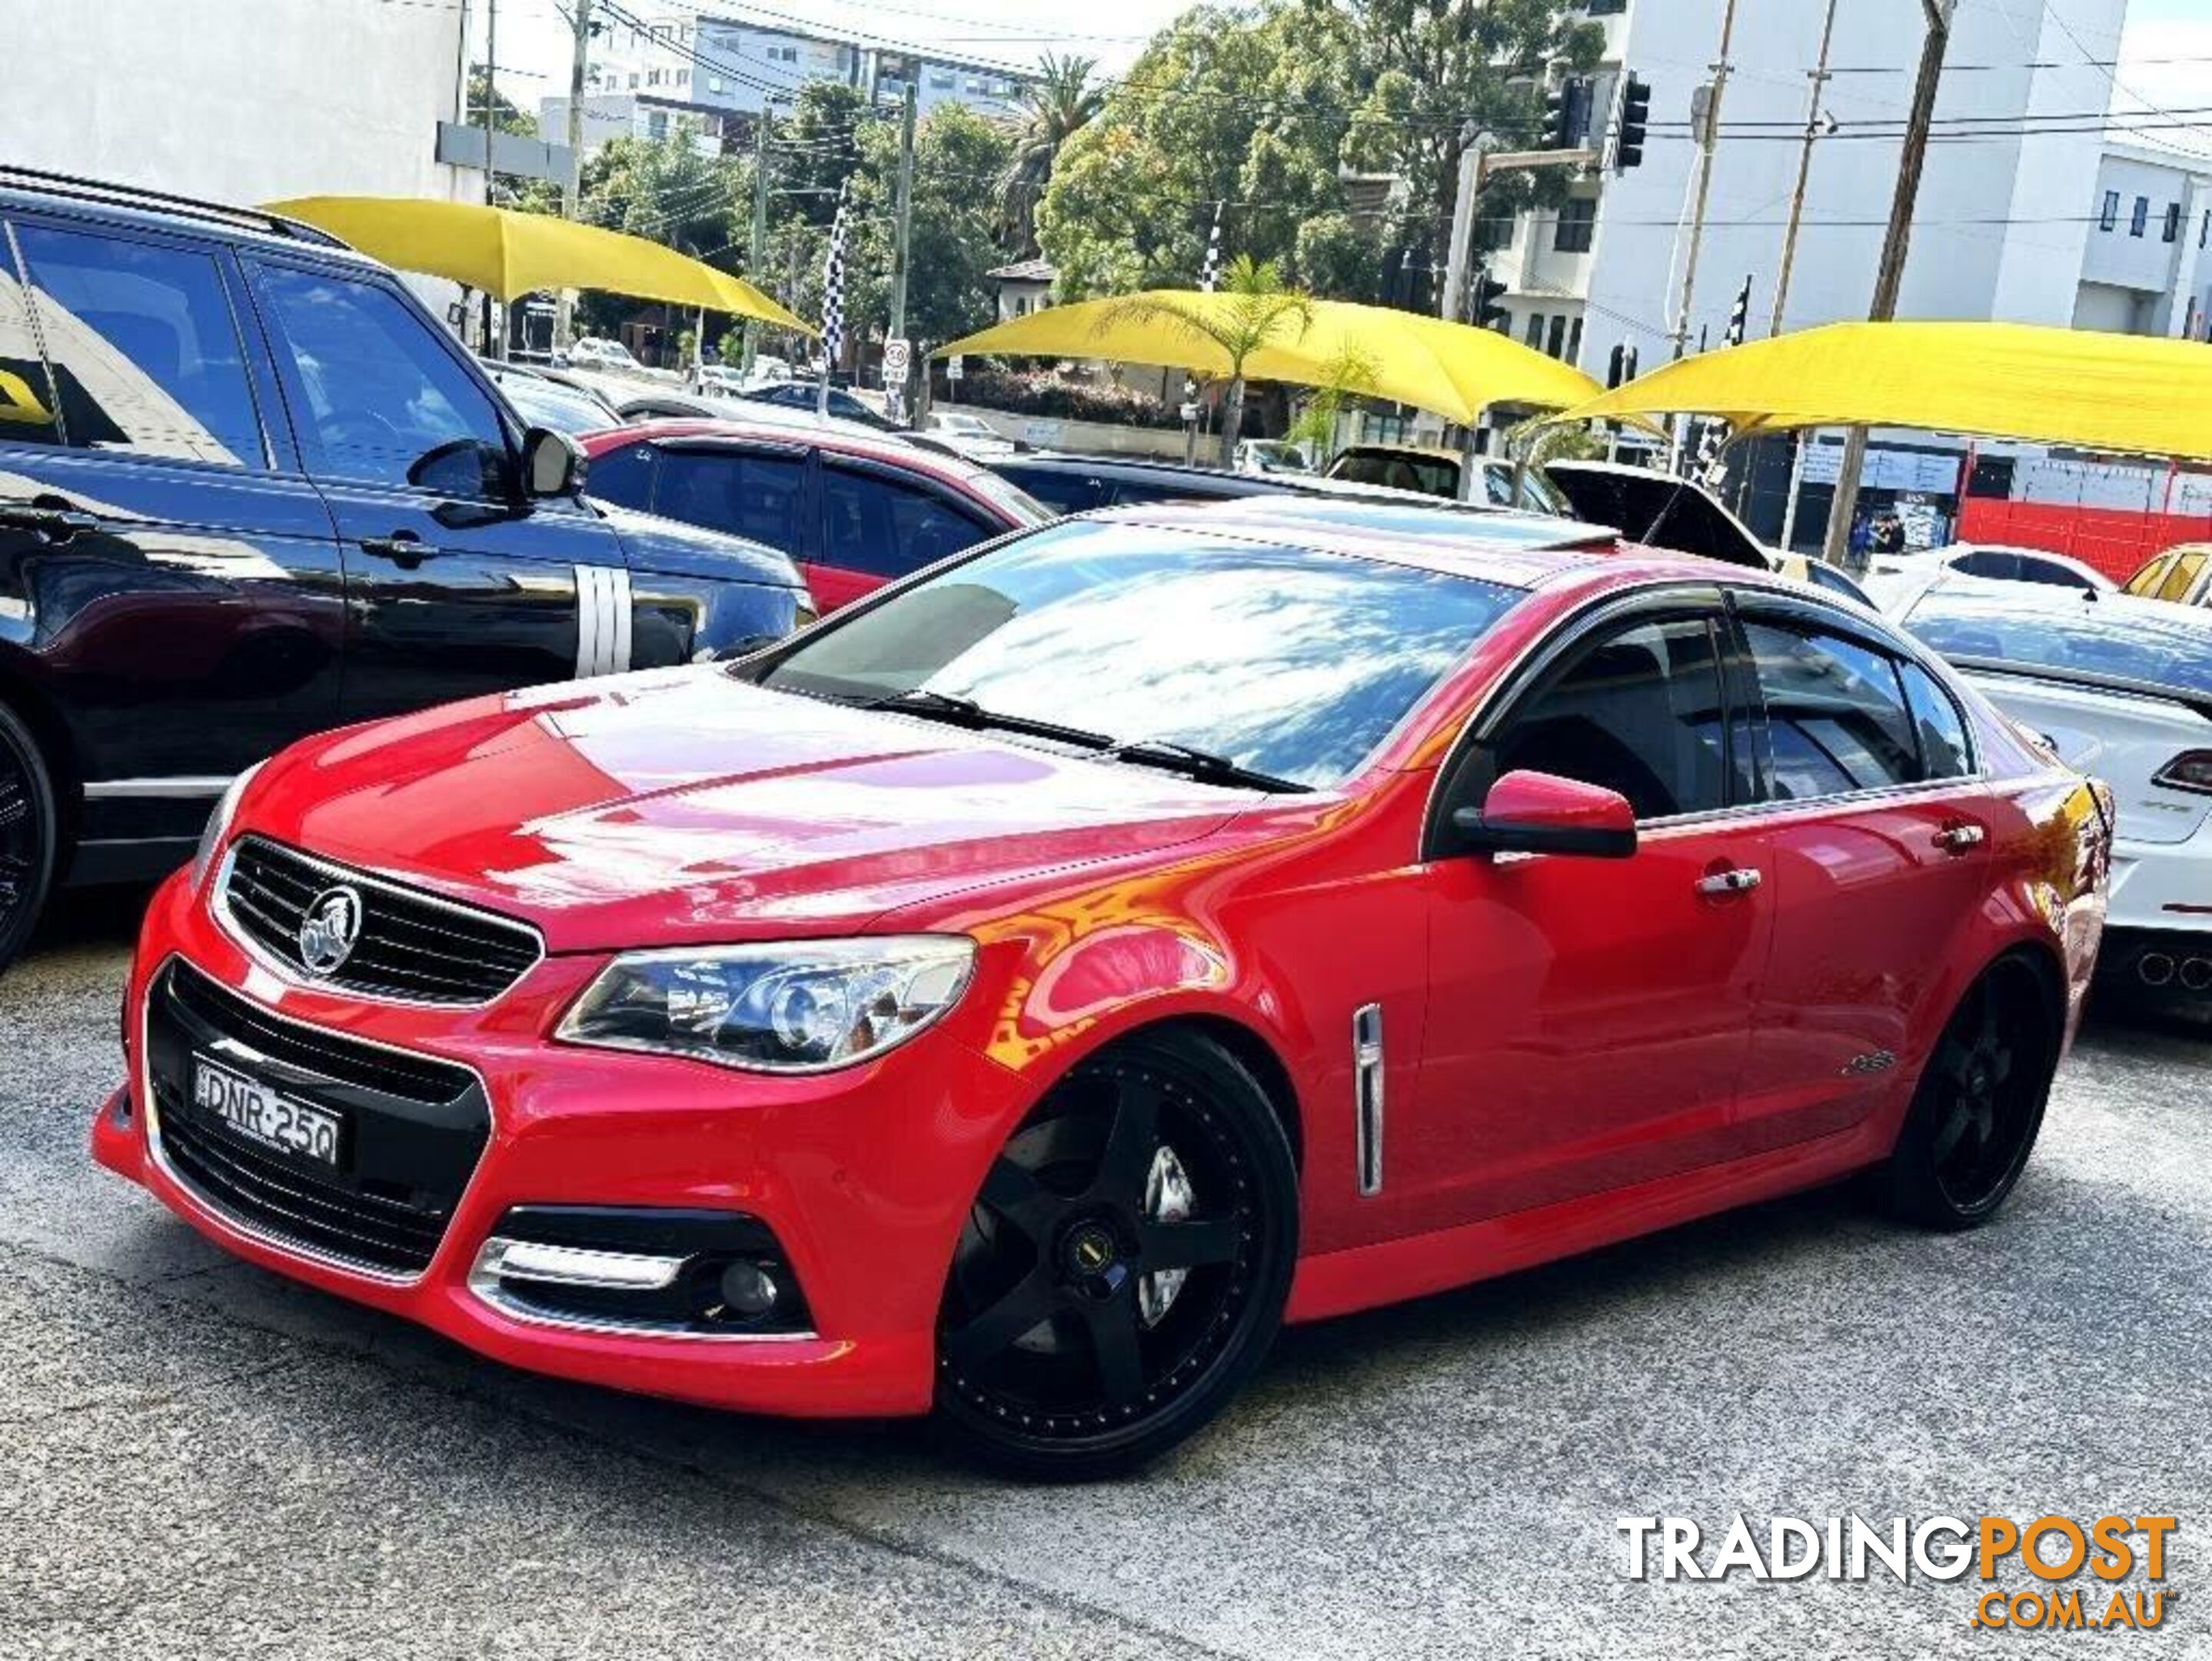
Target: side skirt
<point x="1366" y="1277"/>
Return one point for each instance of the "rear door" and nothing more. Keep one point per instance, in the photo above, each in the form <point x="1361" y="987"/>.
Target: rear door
<point x="169" y="578"/>
<point x="879" y="523"/>
<point x="456" y="585"/>
<point x="1879" y="827"/>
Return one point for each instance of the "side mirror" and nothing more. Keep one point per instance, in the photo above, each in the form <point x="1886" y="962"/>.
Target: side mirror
<point x="1530" y="812"/>
<point x="552" y="465"/>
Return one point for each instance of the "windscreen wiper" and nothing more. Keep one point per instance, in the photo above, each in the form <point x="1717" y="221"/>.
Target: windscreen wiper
<point x="966" y="712"/>
<point x="1200" y="765"/>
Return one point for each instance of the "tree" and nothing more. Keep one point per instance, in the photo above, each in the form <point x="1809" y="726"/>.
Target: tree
<point x="665" y="191"/>
<point x="1252" y="309"/>
<point x="1261" y="112"/>
<point x="1441" y="69"/>
<point x="1057" y="106"/>
<point x="1244" y="112"/>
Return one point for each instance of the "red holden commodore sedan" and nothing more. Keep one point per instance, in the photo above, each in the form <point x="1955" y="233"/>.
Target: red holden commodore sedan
<point x="1017" y="994"/>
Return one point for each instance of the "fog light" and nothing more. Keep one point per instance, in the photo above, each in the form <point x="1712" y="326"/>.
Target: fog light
<point x="748" y="1290"/>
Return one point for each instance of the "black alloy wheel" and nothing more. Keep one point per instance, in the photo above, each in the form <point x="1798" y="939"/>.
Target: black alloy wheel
<point x="1980" y="1102"/>
<point x="27" y="835"/>
<point x="1125" y="1267"/>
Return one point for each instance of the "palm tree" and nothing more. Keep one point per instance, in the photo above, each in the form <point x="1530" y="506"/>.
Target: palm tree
<point x="1055" y="106"/>
<point x="1251" y="309"/>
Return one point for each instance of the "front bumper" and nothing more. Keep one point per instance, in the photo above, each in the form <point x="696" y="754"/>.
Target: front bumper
<point x="864" y="1177"/>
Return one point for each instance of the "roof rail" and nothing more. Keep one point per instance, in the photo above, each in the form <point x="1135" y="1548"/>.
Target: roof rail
<point x="101" y="190"/>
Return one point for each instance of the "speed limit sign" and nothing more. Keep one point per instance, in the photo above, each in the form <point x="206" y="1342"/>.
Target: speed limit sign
<point x="896" y="355"/>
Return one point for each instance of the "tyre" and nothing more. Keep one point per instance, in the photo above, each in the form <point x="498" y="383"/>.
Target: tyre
<point x="27" y="835"/>
<point x="1124" y="1269"/>
<point x="1979" y="1103"/>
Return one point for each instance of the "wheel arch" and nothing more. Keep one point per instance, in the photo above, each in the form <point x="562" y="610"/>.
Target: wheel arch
<point x="56" y="750"/>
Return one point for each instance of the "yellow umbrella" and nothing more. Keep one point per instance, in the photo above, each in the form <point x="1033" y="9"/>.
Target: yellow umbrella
<point x="2102" y="392"/>
<point x="1450" y="368"/>
<point x="506" y="253"/>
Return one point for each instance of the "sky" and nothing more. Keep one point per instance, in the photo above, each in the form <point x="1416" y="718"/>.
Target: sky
<point x="2165" y="51"/>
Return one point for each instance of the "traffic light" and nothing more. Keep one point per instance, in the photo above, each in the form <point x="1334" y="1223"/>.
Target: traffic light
<point x="1635" y="124"/>
<point x="1563" y="112"/>
<point x="1484" y="312"/>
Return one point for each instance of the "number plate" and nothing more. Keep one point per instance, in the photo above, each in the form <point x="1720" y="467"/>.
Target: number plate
<point x="257" y="1112"/>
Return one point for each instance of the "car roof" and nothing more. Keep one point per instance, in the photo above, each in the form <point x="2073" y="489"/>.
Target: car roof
<point x="844" y="438"/>
<point x="1497" y="551"/>
<point x="114" y="203"/>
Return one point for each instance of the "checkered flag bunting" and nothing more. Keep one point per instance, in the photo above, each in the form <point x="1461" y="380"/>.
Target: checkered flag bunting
<point x="833" y="289"/>
<point x="1708" y="470"/>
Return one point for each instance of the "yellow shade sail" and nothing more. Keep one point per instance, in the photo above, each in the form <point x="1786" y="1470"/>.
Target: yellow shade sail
<point x="1448" y="368"/>
<point x="2133" y="393"/>
<point x="507" y="253"/>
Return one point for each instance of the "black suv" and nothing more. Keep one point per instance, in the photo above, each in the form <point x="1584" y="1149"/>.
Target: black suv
<point x="250" y="488"/>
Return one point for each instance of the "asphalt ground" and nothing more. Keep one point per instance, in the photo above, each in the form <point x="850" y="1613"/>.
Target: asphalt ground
<point x="201" y="1459"/>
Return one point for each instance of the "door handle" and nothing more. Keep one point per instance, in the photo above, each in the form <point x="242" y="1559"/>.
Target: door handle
<point x="1736" y="880"/>
<point x="59" y="523"/>
<point x="403" y="548"/>
<point x="1957" y="838"/>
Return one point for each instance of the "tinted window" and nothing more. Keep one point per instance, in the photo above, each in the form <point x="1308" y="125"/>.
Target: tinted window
<point x="1988" y="562"/>
<point x="887" y="530"/>
<point x="1935" y="718"/>
<point x="1285" y="660"/>
<point x="2047" y="572"/>
<point x="1640" y="713"/>
<point x="1821" y="574"/>
<point x="1835" y="714"/>
<point x="381" y="398"/>
<point x="623" y="474"/>
<point x="1063" y="492"/>
<point x="2044" y="631"/>
<point x="26" y="395"/>
<point x="746" y="494"/>
<point x="144" y="347"/>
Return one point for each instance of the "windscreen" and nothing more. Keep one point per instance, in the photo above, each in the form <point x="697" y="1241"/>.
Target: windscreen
<point x="1285" y="660"/>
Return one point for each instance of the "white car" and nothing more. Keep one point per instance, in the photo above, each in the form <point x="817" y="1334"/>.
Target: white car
<point x="970" y="435"/>
<point x="1895" y="580"/>
<point x="1270" y="455"/>
<point x="2122" y="688"/>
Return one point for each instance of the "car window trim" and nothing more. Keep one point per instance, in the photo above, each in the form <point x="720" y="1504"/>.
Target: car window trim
<point x="287" y="371"/>
<point x="224" y="259"/>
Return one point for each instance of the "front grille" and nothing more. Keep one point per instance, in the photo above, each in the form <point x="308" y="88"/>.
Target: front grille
<point x="411" y="945"/>
<point x="413" y="1128"/>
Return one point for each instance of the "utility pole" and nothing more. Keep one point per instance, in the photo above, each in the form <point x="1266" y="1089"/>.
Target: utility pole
<point x="757" y="242"/>
<point x="902" y="248"/>
<point x="491" y="103"/>
<point x="1708" y="142"/>
<point x="1897" y="242"/>
<point x="571" y="188"/>
<point x="1820" y="78"/>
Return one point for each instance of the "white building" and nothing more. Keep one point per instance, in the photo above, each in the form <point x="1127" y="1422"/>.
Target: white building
<point x="2003" y="220"/>
<point x="739" y="64"/>
<point x="2146" y="268"/>
<point x="244" y="101"/>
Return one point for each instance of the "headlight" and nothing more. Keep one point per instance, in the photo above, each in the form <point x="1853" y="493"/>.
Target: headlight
<point x="793" y="1006"/>
<point x="218" y="825"/>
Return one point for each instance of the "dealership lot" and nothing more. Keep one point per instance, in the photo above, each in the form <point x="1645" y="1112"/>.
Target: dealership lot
<point x="204" y="1459"/>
